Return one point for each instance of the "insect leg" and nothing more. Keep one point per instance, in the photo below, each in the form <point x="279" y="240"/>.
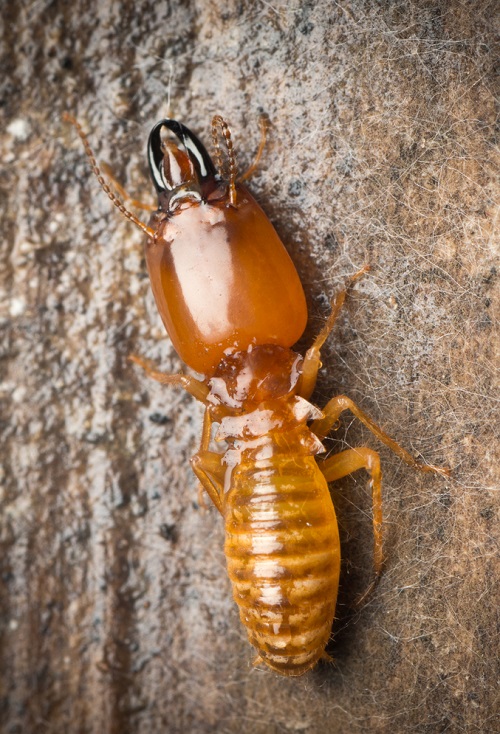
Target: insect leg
<point x="102" y="182"/>
<point x="337" y="405"/>
<point x="347" y="462"/>
<point x="121" y="191"/>
<point x="264" y="125"/>
<point x="207" y="465"/>
<point x="194" y="387"/>
<point x="312" y="361"/>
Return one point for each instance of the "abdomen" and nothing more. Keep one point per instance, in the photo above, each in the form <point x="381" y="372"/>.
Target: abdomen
<point x="283" y="556"/>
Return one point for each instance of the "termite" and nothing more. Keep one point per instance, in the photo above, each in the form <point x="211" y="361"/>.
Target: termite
<point x="233" y="305"/>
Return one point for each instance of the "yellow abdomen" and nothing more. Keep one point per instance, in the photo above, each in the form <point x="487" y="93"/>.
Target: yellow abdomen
<point x="283" y="556"/>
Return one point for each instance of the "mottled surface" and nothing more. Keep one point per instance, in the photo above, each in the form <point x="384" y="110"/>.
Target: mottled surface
<point x="115" y="607"/>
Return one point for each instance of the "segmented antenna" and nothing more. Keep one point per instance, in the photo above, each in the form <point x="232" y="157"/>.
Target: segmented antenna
<point x="219" y="125"/>
<point x="102" y="181"/>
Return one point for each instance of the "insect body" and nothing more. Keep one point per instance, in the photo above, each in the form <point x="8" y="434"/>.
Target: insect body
<point x="233" y="305"/>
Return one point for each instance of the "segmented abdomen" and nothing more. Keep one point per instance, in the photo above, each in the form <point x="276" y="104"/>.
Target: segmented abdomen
<point x="283" y="556"/>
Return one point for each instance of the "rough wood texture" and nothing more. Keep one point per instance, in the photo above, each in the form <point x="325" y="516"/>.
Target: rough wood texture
<point x="115" y="607"/>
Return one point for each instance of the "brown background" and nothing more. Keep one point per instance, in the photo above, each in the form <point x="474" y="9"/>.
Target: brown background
<point x="115" y="608"/>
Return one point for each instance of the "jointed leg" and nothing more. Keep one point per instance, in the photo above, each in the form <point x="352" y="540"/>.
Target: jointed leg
<point x="102" y="182"/>
<point x="312" y="361"/>
<point x="347" y="462"/>
<point x="207" y="465"/>
<point x="220" y="125"/>
<point x="264" y="124"/>
<point x="124" y="195"/>
<point x="337" y="405"/>
<point x="194" y="387"/>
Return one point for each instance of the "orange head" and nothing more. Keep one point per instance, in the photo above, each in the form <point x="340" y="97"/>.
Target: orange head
<point x="221" y="277"/>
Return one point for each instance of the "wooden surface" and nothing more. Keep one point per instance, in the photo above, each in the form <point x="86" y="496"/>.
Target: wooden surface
<point x="116" y="614"/>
